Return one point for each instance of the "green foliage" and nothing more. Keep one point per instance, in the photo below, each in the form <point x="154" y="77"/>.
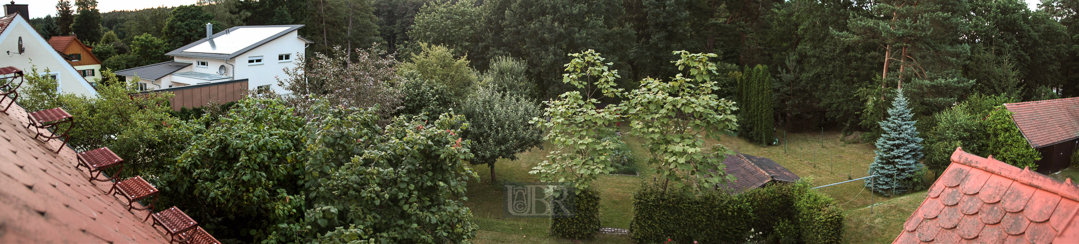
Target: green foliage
<point x="46" y="27"/>
<point x="361" y="79"/>
<point x="772" y="206"/>
<point x="898" y="151"/>
<point x="684" y="217"/>
<point x="122" y="61"/>
<point x="437" y="64"/>
<point x="508" y="75"/>
<point x="962" y="125"/>
<point x="64" y="17"/>
<point x="240" y="166"/>
<point x="576" y="126"/>
<point x="104" y="51"/>
<point x="281" y="17"/>
<point x="995" y="74"/>
<point x="499" y="126"/>
<point x="402" y="183"/>
<point x="621" y="158"/>
<point x="395" y="19"/>
<point x="672" y="116"/>
<point x="1006" y="143"/>
<point x="818" y="217"/>
<point x="149" y="50"/>
<point x="87" y="24"/>
<point x="186" y="24"/>
<point x="423" y="98"/>
<point x="331" y="23"/>
<point x="584" y="224"/>
<point x="463" y="17"/>
<point x="755" y="95"/>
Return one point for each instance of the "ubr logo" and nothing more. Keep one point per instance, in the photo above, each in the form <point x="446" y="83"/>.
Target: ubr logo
<point x="538" y="200"/>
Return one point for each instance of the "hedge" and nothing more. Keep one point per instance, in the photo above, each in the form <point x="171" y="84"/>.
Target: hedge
<point x="781" y="213"/>
<point x="585" y="221"/>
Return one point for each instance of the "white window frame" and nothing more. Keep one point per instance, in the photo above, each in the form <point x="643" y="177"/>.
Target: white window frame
<point x="287" y="57"/>
<point x="202" y="64"/>
<point x="142" y="86"/>
<point x="254" y="60"/>
<point x="59" y="84"/>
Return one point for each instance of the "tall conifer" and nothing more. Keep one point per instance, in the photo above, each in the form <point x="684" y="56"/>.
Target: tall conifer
<point x="898" y="150"/>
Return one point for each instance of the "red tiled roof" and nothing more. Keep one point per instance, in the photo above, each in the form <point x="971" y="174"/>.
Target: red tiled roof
<point x="1047" y="122"/>
<point x="5" y="21"/>
<point x="59" y="43"/>
<point x="752" y="172"/>
<point x="44" y="199"/>
<point x="980" y="200"/>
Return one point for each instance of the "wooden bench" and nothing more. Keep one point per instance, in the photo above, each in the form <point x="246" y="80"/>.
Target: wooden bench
<point x="135" y="189"/>
<point x="174" y="221"/>
<point x="99" y="159"/>
<point x="50" y="120"/>
<point x="198" y="236"/>
<point x="10" y="89"/>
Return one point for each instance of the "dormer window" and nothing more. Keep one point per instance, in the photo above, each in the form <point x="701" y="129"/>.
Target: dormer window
<point x="254" y="60"/>
<point x="75" y="57"/>
<point x="202" y="64"/>
<point x="284" y="58"/>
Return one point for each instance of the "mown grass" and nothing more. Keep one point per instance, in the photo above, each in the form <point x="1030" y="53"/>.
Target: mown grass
<point x="1068" y="173"/>
<point x="834" y="162"/>
<point x="882" y="223"/>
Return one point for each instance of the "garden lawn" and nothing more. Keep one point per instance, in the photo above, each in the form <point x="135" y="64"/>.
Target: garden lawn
<point x="885" y="224"/>
<point x="834" y="162"/>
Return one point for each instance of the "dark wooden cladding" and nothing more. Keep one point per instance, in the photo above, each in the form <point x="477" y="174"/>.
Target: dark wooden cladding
<point x="201" y="95"/>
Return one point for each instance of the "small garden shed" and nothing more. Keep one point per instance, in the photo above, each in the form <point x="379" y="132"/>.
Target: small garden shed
<point x="1051" y="127"/>
<point x="753" y="172"/>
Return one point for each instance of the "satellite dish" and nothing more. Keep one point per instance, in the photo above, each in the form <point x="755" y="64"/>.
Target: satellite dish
<point x="222" y="70"/>
<point x="21" y="47"/>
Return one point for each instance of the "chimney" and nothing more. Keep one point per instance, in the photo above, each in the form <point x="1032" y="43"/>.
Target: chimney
<point x="210" y="35"/>
<point x="22" y="9"/>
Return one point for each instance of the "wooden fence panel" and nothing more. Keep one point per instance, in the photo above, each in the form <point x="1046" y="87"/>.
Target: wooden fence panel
<point x="201" y="95"/>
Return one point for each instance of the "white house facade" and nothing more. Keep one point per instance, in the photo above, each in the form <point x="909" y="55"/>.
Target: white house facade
<point x="259" y="54"/>
<point x="23" y="48"/>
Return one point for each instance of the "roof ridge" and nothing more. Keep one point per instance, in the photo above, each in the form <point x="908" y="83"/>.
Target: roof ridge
<point x="1065" y="189"/>
<point x="755" y="166"/>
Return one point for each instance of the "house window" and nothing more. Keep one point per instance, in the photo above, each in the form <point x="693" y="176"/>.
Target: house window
<point x="202" y="64"/>
<point x="263" y="89"/>
<point x="254" y="60"/>
<point x="75" y="57"/>
<point x="284" y="57"/>
<point x="142" y="86"/>
<point x="87" y="72"/>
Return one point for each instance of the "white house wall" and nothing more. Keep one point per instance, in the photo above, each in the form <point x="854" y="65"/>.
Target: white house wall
<point x="270" y="70"/>
<point x="95" y="67"/>
<point x="40" y="54"/>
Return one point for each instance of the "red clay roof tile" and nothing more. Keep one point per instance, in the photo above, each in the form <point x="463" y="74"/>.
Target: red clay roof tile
<point x="1047" y="122"/>
<point x="47" y="200"/>
<point x="982" y="200"/>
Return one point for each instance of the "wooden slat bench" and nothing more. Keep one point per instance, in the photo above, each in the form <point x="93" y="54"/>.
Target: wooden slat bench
<point x="99" y="159"/>
<point x="135" y="189"/>
<point x="174" y="221"/>
<point x="51" y="119"/>
<point x="198" y="236"/>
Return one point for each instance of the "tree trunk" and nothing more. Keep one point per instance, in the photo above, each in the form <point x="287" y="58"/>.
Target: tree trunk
<point x="493" y="179"/>
<point x="902" y="64"/>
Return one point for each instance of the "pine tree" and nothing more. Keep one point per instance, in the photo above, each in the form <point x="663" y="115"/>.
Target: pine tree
<point x="87" y="25"/>
<point x="64" y="17"/>
<point x="898" y="150"/>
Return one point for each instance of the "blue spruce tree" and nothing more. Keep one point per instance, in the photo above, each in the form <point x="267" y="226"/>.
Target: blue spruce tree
<point x="898" y="151"/>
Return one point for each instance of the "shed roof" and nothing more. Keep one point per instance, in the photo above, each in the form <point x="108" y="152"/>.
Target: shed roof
<point x="234" y="42"/>
<point x="154" y="71"/>
<point x="752" y="172"/>
<point x="982" y="200"/>
<point x="1047" y="122"/>
<point x="45" y="199"/>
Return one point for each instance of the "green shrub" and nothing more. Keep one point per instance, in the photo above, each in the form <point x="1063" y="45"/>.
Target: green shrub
<point x="1006" y="143"/>
<point x="821" y="221"/>
<point x="771" y="205"/>
<point x="683" y="217"/>
<point x="784" y="213"/>
<point x="585" y="221"/>
<point x="621" y="157"/>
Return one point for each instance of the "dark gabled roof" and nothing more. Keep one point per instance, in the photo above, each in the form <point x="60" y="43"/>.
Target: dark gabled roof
<point x="45" y="199"/>
<point x="982" y="200"/>
<point x="1047" y="122"/>
<point x="752" y="172"/>
<point x="179" y="52"/>
<point x="154" y="71"/>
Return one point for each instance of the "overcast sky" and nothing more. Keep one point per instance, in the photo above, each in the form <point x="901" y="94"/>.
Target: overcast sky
<point x="40" y="8"/>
